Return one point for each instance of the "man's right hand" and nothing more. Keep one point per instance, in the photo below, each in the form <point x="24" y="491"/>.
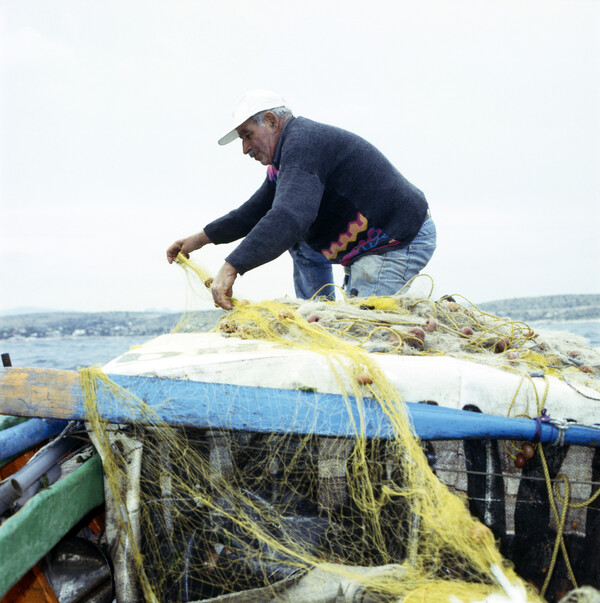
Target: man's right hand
<point x="187" y="245"/>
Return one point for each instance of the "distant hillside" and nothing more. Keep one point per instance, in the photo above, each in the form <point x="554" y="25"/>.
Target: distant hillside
<point x="82" y="324"/>
<point x="57" y="324"/>
<point x="549" y="307"/>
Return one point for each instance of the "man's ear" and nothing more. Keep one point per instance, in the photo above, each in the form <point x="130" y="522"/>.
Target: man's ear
<point x="271" y="121"/>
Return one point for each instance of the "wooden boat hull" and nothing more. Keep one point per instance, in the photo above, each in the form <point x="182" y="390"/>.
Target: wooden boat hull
<point x="231" y="385"/>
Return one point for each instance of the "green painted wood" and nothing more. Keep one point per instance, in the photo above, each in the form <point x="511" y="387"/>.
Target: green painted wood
<point x="32" y="532"/>
<point x="6" y="421"/>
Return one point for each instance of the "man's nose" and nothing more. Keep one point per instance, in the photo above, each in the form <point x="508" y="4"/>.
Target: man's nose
<point x="245" y="146"/>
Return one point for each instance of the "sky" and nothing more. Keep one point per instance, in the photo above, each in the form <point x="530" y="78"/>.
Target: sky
<point x="110" y="114"/>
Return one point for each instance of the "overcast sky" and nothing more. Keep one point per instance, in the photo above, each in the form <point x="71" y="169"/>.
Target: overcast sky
<point x="110" y="112"/>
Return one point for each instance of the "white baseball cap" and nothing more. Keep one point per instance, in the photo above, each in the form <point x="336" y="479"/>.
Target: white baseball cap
<point x="250" y="104"/>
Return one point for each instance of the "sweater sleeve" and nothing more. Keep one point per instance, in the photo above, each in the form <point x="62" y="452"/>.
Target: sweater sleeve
<point x="295" y="207"/>
<point x="239" y="222"/>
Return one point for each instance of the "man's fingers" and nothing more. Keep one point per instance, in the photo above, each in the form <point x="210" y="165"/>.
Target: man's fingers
<point x="222" y="287"/>
<point x="221" y="300"/>
<point x="221" y="296"/>
<point x="173" y="250"/>
<point x="187" y="245"/>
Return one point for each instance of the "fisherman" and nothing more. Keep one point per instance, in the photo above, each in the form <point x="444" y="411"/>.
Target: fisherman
<point x="329" y="197"/>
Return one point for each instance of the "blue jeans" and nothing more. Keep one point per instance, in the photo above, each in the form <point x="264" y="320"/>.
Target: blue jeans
<point x="371" y="274"/>
<point x="387" y="273"/>
<point x="312" y="272"/>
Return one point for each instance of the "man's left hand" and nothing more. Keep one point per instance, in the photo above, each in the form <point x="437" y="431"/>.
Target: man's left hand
<point x="222" y="287"/>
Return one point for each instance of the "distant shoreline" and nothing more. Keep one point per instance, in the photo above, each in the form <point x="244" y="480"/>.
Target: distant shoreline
<point x="75" y="325"/>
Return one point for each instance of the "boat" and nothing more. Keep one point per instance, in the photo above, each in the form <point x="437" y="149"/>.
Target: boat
<point x="236" y="392"/>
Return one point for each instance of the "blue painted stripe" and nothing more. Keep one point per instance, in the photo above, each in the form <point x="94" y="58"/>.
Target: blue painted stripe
<point x="224" y="406"/>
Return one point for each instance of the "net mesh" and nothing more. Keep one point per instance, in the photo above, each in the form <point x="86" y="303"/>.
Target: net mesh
<point x="198" y="514"/>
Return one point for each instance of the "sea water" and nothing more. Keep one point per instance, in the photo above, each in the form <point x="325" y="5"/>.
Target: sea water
<point x="74" y="352"/>
<point x="589" y="329"/>
<point x="67" y="352"/>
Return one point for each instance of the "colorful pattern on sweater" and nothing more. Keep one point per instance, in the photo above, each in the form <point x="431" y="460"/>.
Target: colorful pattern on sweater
<point x="272" y="173"/>
<point x="346" y="238"/>
<point x="358" y="239"/>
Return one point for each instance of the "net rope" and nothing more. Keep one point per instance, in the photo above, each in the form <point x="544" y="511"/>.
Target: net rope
<point x="220" y="512"/>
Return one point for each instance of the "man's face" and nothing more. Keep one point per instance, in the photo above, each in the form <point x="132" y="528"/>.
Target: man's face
<point x="260" y="141"/>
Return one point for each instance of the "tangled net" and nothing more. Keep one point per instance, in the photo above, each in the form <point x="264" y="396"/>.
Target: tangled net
<point x="198" y="514"/>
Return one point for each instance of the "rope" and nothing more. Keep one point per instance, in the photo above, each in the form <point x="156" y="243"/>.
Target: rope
<point x="388" y="325"/>
<point x="543" y="417"/>
<point x="561" y="425"/>
<point x="560" y="524"/>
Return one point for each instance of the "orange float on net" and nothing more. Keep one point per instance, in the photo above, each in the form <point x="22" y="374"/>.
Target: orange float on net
<point x="364" y="379"/>
<point x="520" y="460"/>
<point x="528" y="450"/>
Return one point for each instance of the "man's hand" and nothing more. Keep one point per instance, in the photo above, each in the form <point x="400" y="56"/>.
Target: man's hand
<point x="187" y="245"/>
<point x="222" y="287"/>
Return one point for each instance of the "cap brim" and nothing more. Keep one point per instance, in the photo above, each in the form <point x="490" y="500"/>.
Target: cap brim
<point x="229" y="137"/>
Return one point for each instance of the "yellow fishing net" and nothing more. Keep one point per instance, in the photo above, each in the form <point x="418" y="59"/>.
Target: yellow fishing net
<point x="198" y="514"/>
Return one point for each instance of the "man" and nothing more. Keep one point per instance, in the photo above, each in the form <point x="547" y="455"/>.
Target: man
<point x="329" y="197"/>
